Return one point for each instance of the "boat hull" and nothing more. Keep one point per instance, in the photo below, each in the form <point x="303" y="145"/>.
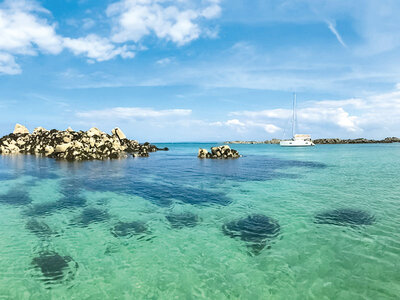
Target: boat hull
<point x="296" y="143"/>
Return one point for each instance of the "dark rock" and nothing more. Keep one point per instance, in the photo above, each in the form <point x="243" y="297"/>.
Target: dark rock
<point x="40" y="228"/>
<point x="128" y="229"/>
<point x="92" y="215"/>
<point x="255" y="230"/>
<point x="180" y="220"/>
<point x="15" y="197"/>
<point x="345" y="217"/>
<point x="55" y="268"/>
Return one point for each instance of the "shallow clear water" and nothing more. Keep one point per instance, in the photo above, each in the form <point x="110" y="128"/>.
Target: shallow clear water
<point x="61" y="235"/>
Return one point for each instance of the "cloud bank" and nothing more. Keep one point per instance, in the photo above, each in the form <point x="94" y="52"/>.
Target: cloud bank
<point x="25" y="29"/>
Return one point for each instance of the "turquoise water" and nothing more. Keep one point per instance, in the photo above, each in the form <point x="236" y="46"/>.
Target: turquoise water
<point x="61" y="235"/>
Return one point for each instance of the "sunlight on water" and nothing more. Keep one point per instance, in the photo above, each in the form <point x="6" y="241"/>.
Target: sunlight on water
<point x="277" y="223"/>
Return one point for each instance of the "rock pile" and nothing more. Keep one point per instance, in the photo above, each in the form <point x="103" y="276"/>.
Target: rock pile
<point x="222" y="152"/>
<point x="387" y="140"/>
<point x="73" y="145"/>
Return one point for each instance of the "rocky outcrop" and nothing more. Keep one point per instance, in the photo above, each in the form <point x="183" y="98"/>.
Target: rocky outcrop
<point x="20" y="129"/>
<point x="73" y="145"/>
<point x="273" y="141"/>
<point x="221" y="152"/>
<point x="357" y="141"/>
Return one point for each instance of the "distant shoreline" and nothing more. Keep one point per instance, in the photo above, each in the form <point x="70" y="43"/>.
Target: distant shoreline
<point x="326" y="141"/>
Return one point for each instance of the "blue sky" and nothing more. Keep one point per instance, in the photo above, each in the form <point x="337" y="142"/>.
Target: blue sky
<point x="205" y="70"/>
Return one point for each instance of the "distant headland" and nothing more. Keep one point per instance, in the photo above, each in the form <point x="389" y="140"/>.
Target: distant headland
<point x="387" y="140"/>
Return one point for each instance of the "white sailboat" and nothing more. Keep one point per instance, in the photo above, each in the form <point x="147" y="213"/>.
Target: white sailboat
<point x="298" y="140"/>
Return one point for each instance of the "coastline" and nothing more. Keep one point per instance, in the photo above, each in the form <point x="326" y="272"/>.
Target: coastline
<point x="324" y="141"/>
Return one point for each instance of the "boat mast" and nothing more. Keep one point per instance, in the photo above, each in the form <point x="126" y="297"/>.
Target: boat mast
<point x="294" y="114"/>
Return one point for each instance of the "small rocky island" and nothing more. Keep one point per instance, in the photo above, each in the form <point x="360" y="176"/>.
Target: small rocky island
<point x="73" y="145"/>
<point x="221" y="152"/>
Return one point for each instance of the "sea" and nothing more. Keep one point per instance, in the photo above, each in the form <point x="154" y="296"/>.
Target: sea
<point x="278" y="223"/>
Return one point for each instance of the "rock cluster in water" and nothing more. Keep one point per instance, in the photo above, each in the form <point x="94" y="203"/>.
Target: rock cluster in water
<point x="73" y="145"/>
<point x="387" y="140"/>
<point x="222" y="152"/>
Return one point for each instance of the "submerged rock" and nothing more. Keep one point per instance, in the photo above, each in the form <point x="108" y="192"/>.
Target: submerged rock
<point x="180" y="220"/>
<point x="55" y="268"/>
<point x="345" y="217"/>
<point x="222" y="152"/>
<point x="92" y="215"/>
<point x="15" y="197"/>
<point x="73" y="145"/>
<point x="40" y="228"/>
<point x="128" y="229"/>
<point x="255" y="230"/>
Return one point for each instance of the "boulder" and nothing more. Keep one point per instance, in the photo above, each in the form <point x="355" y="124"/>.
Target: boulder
<point x="202" y="153"/>
<point x="20" y="129"/>
<point x="94" y="131"/>
<point x="38" y="130"/>
<point x="48" y="150"/>
<point x="62" y="147"/>
<point x="118" y="132"/>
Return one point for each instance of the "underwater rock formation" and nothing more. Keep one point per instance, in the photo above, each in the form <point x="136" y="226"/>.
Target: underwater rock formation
<point x="185" y="219"/>
<point x="128" y="229"/>
<point x="345" y="217"/>
<point x="73" y="145"/>
<point x="40" y="228"/>
<point x="92" y="215"/>
<point x="255" y="230"/>
<point x="15" y="197"/>
<point x="222" y="152"/>
<point x="54" y="268"/>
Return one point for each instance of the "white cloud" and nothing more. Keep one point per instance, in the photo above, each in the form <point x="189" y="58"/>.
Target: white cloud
<point x="97" y="48"/>
<point x="271" y="128"/>
<point x="309" y="116"/>
<point x="170" y="20"/>
<point x="164" y="61"/>
<point x="133" y="113"/>
<point x="246" y="125"/>
<point x="333" y="29"/>
<point x="235" y="122"/>
<point x="24" y="32"/>
<point x="8" y="64"/>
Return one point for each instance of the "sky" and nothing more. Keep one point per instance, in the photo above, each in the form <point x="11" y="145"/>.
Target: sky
<point x="202" y="70"/>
